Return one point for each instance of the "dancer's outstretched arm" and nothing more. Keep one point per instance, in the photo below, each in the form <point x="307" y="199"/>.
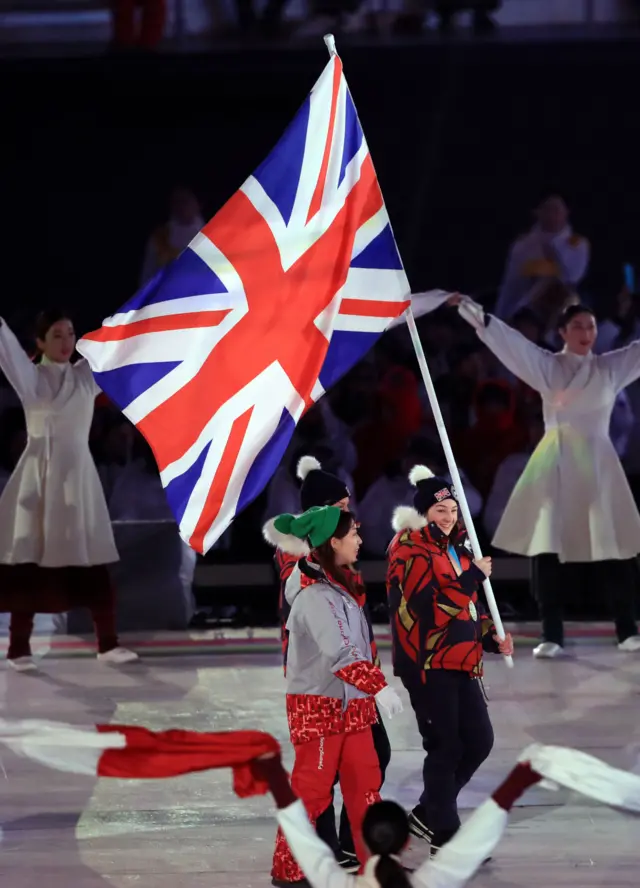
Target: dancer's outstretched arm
<point x="459" y="859"/>
<point x="17" y="366"/>
<point x="527" y="361"/>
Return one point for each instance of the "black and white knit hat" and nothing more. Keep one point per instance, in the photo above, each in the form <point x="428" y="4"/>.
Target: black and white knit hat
<point x="429" y="489"/>
<point x="319" y="488"/>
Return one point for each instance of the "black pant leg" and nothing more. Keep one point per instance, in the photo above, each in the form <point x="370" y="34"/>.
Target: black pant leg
<point x="383" y="750"/>
<point x="548" y="593"/>
<point x="436" y="704"/>
<point x="326" y="826"/>
<point x="619" y="580"/>
<point x="476" y="730"/>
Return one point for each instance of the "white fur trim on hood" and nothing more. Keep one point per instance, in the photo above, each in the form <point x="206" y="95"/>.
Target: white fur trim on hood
<point x="419" y="473"/>
<point x="305" y="465"/>
<point x="286" y="542"/>
<point x="407" y="518"/>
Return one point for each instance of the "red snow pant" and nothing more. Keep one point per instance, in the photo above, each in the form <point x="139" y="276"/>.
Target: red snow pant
<point x="150" y="33"/>
<point x="351" y="756"/>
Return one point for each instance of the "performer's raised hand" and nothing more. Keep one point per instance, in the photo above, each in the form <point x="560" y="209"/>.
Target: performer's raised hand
<point x="454" y="299"/>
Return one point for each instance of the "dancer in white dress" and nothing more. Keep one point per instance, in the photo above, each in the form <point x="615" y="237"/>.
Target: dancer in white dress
<point x="572" y="503"/>
<point x="55" y="532"/>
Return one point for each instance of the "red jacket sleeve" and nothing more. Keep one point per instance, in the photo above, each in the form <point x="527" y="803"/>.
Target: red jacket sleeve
<point x="364" y="676"/>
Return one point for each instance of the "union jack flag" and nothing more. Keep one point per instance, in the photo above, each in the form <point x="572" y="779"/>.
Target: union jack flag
<point x="216" y="358"/>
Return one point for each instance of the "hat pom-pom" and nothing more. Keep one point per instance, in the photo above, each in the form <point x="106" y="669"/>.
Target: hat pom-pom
<point x="277" y="533"/>
<point x="419" y="473"/>
<point x="305" y="465"/>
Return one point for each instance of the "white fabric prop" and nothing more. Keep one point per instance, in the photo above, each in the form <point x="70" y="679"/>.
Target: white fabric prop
<point x="585" y="774"/>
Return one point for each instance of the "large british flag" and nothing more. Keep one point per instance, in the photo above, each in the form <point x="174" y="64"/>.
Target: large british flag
<point x="291" y="282"/>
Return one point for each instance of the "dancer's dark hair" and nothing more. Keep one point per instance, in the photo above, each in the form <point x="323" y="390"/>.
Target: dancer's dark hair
<point x="385" y="830"/>
<point x="47" y="318"/>
<point x="572" y="311"/>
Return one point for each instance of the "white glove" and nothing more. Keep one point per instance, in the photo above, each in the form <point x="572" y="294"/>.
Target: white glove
<point x="389" y="702"/>
<point x="472" y="313"/>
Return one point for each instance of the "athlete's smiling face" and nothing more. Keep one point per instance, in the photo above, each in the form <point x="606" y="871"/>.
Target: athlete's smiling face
<point x="444" y="515"/>
<point x="346" y="548"/>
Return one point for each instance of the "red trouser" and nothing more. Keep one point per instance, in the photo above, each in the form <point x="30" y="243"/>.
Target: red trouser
<point x="104" y="619"/>
<point x="354" y="758"/>
<point x="124" y="22"/>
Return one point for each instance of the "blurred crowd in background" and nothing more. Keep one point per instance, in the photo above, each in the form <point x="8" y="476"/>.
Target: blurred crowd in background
<point x="376" y="422"/>
<point x="142" y="23"/>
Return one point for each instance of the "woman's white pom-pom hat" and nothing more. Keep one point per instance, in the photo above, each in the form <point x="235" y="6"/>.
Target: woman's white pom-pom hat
<point x="318" y="488"/>
<point x="305" y="465"/>
<point x="430" y="489"/>
<point x="419" y="473"/>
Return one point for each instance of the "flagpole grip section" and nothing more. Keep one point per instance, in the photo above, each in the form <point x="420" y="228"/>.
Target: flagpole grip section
<point x="330" y="43"/>
<point x="453" y="469"/>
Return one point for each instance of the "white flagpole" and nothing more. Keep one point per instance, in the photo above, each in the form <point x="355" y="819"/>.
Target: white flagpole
<point x="453" y="470"/>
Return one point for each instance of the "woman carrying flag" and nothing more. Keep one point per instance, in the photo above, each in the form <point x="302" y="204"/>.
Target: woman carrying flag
<point x="332" y="684"/>
<point x="439" y="631"/>
<point x="55" y="535"/>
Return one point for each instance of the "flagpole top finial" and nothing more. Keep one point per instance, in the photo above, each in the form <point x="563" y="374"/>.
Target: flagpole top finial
<point x="330" y="43"/>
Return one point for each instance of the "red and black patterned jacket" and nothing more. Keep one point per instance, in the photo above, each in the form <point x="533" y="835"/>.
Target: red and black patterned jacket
<point x="286" y="565"/>
<point x="437" y="621"/>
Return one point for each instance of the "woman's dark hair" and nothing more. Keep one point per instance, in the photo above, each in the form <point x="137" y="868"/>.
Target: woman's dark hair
<point x="47" y="318"/>
<point x="572" y="311"/>
<point x="326" y="556"/>
<point x="385" y="830"/>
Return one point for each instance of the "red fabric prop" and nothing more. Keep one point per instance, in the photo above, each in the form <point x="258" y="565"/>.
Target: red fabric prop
<point x="154" y="754"/>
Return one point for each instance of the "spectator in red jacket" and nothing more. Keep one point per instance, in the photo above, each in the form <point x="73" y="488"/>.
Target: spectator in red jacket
<point x="439" y="631"/>
<point x="126" y="35"/>
<point x="397" y="418"/>
<point x="495" y="435"/>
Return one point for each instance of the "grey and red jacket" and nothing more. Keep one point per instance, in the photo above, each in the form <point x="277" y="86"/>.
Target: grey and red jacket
<point x="331" y="678"/>
<point x="290" y="571"/>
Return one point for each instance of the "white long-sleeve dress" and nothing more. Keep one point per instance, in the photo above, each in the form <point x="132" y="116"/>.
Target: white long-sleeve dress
<point x="572" y="499"/>
<point x="52" y="510"/>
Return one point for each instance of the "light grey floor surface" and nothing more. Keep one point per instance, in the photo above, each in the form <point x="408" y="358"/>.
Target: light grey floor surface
<point x="192" y="832"/>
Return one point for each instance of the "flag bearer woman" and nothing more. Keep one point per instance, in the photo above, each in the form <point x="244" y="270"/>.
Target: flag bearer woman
<point x="439" y="631"/>
<point x="55" y="535"/>
<point x="332" y="684"/>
